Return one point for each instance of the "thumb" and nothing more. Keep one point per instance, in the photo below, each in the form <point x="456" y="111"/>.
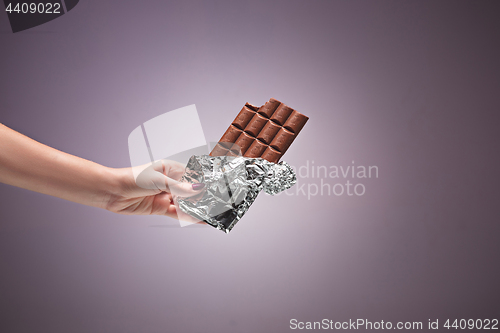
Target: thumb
<point x="153" y="178"/>
<point x="182" y="189"/>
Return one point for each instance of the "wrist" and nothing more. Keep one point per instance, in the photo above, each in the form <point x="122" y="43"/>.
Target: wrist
<point x="111" y="183"/>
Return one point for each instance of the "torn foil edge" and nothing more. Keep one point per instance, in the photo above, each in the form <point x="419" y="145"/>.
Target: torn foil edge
<point x="231" y="186"/>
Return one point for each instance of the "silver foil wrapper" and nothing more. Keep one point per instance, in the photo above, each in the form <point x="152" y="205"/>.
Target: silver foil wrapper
<point x="231" y="186"/>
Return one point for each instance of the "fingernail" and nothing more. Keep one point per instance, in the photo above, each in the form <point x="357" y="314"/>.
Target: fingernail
<point x="198" y="186"/>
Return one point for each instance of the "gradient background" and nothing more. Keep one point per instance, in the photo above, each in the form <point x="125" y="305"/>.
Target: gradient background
<point x="412" y="87"/>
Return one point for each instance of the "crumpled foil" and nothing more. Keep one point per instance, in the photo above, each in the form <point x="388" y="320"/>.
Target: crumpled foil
<point x="231" y="186"/>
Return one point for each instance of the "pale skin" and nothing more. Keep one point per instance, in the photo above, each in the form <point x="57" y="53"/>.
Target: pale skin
<point x="34" y="166"/>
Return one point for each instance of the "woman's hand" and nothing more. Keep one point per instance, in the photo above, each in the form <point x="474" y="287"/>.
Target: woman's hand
<point x="149" y="190"/>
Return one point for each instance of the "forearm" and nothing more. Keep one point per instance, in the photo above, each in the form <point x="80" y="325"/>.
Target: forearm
<point x="31" y="165"/>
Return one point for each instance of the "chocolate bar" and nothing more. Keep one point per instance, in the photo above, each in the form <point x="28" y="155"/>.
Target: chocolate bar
<point x="265" y="132"/>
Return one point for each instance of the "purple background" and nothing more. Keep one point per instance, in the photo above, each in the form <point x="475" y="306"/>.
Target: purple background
<point x="412" y="87"/>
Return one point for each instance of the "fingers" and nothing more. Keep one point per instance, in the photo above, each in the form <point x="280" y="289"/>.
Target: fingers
<point x="164" y="205"/>
<point x="183" y="218"/>
<point x="152" y="177"/>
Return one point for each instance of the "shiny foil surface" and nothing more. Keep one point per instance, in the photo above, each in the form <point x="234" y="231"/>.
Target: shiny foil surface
<point x="231" y="186"/>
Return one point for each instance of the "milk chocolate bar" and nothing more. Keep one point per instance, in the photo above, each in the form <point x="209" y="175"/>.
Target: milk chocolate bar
<point x="265" y="132"/>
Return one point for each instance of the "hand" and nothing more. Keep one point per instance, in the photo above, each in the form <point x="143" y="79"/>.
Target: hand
<point x="149" y="190"/>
